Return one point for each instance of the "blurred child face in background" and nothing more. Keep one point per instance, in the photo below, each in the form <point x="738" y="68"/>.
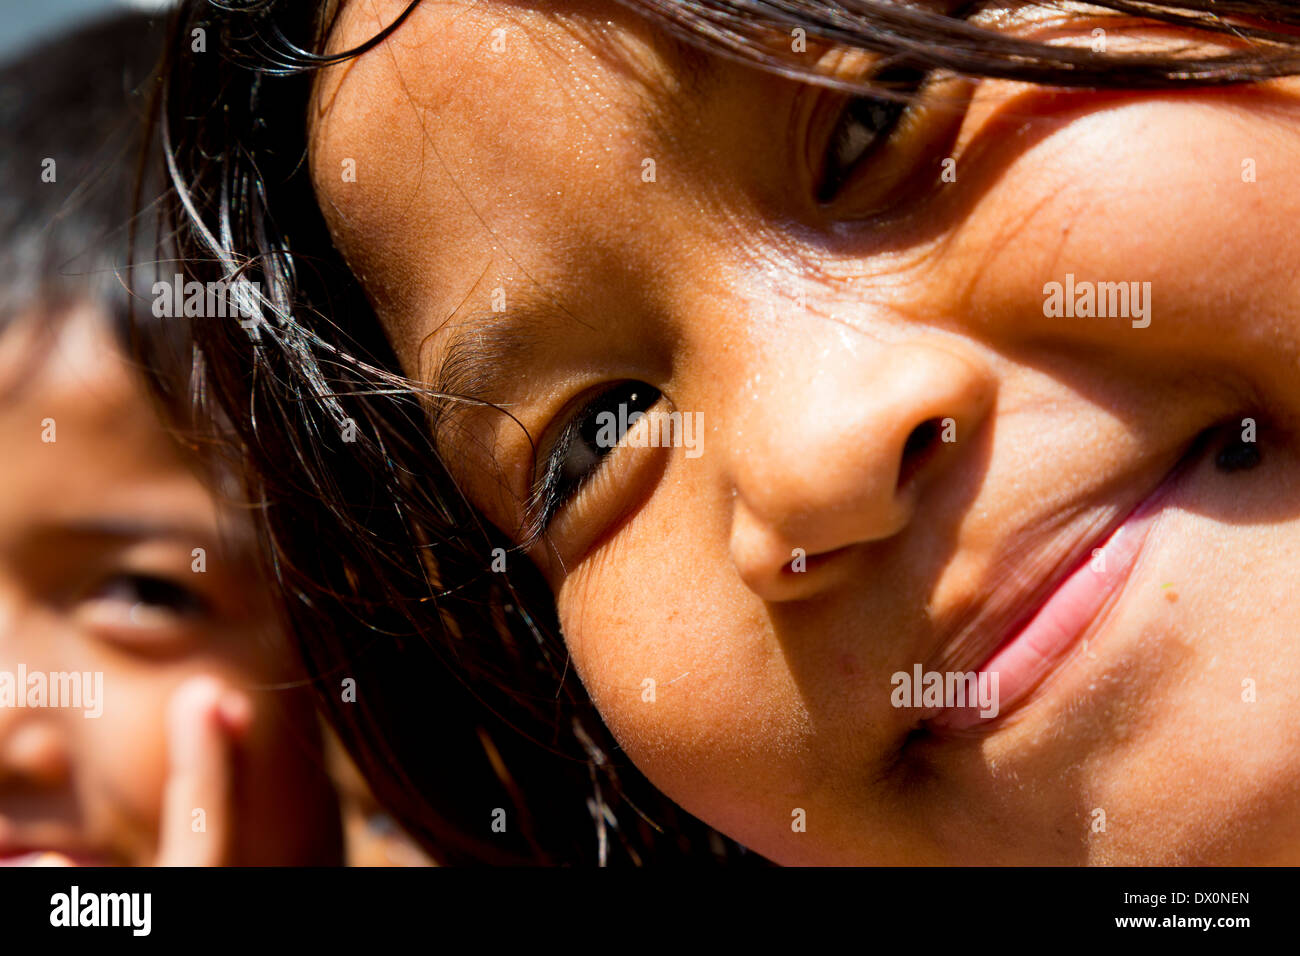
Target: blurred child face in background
<point x="116" y="560"/>
<point x="828" y="346"/>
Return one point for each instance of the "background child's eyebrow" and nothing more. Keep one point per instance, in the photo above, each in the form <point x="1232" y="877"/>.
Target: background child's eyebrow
<point x="53" y="548"/>
<point x="123" y="530"/>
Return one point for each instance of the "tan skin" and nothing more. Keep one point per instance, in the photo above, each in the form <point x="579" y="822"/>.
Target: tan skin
<point x="523" y="170"/>
<point x="97" y="536"/>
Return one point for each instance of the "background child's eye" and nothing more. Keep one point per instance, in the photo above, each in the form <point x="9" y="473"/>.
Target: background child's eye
<point x="130" y="595"/>
<point x="587" y="438"/>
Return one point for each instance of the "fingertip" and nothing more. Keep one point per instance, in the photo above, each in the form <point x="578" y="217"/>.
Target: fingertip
<point x="191" y="719"/>
<point x="195" y="698"/>
<point x="236" y="711"/>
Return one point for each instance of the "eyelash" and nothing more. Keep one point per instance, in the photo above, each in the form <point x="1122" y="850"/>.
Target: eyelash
<point x="885" y="113"/>
<point x="558" y="485"/>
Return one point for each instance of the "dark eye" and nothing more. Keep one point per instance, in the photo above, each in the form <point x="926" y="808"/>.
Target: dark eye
<point x="155" y="593"/>
<point x="863" y="125"/>
<point x="587" y="438"/>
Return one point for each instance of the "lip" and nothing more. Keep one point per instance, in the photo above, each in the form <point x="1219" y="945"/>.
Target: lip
<point x="1059" y="620"/>
<point x="50" y="849"/>
<point x="48" y="857"/>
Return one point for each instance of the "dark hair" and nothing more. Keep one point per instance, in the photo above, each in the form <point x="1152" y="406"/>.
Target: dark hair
<point x="74" y="170"/>
<point x="465" y="701"/>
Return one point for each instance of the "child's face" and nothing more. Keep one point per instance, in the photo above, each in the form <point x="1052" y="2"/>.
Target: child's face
<point x="99" y="521"/>
<point x="1150" y="716"/>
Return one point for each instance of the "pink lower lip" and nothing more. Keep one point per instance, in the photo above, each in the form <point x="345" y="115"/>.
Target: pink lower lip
<point x="35" y="858"/>
<point x="1026" y="658"/>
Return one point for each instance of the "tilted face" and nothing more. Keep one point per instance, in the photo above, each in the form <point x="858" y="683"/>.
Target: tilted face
<point x="932" y="433"/>
<point x="122" y="576"/>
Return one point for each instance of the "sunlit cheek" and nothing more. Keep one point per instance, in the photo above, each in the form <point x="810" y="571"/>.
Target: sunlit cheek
<point x="1189" y="203"/>
<point x="688" y="677"/>
<point x="1210" y="663"/>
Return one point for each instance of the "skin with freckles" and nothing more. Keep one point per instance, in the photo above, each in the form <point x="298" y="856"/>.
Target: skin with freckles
<point x="201" y="708"/>
<point x="817" y="340"/>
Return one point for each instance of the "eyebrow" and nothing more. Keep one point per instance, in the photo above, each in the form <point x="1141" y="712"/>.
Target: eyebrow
<point x="488" y="351"/>
<point x="75" y="539"/>
<point x="699" y="67"/>
<point x="127" y="529"/>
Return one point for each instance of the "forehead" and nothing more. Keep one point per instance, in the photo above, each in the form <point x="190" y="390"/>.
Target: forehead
<point x="79" y="431"/>
<point x="451" y="35"/>
<point x="472" y="126"/>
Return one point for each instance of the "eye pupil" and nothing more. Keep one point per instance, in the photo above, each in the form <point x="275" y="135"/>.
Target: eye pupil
<point x="860" y="128"/>
<point x="596" y="431"/>
<point x="608" y="416"/>
<point x="1237" y="456"/>
<point x="152" y="592"/>
<point x="863" y="125"/>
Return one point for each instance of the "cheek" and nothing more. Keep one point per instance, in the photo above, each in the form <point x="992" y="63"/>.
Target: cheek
<point x="1214" y="738"/>
<point x="282" y="801"/>
<point x="124" y="751"/>
<point x="1152" y="190"/>
<point x="685" y="670"/>
<point x="1194" y="757"/>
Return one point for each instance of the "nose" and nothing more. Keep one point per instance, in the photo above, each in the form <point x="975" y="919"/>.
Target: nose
<point x="33" y="749"/>
<point x="33" y="755"/>
<point x="843" y="459"/>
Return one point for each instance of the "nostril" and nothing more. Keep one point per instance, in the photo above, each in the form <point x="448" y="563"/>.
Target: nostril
<point x="919" y="448"/>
